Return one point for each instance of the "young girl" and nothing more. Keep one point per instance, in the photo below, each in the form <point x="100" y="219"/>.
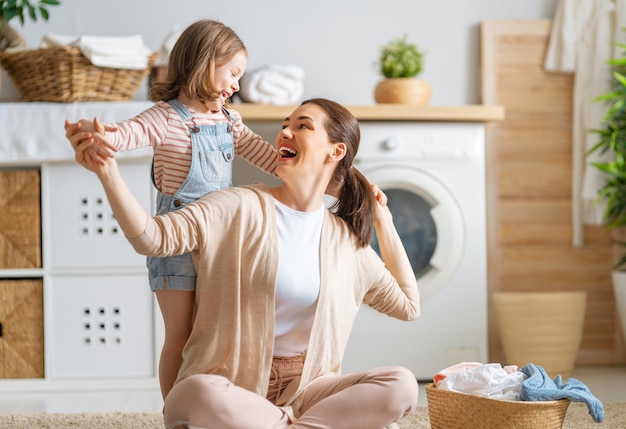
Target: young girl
<point x="195" y="139"/>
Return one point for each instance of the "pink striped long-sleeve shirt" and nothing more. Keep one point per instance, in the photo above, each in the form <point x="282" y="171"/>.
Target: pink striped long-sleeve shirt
<point x="162" y="128"/>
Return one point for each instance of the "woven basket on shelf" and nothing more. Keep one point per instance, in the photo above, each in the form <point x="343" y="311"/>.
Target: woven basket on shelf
<point x="64" y="74"/>
<point x="454" y="410"/>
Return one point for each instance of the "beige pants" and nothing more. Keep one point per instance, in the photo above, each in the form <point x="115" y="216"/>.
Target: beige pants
<point x="368" y="399"/>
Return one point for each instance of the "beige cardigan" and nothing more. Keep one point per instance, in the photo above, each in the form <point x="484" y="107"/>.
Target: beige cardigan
<point x="233" y="239"/>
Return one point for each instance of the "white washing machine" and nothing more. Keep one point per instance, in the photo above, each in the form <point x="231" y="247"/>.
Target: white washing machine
<point x="434" y="176"/>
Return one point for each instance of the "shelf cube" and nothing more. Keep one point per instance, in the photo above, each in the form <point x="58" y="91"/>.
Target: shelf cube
<point x="83" y="232"/>
<point x="101" y="326"/>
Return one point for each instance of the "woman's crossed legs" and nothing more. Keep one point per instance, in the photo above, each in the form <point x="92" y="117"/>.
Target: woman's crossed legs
<point x="368" y="399"/>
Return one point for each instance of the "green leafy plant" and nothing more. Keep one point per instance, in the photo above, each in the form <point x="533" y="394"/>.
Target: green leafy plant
<point x="20" y="9"/>
<point x="10" y="9"/>
<point x="400" y="58"/>
<point x="612" y="142"/>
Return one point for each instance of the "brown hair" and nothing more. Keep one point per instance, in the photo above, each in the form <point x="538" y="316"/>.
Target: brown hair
<point x="191" y="64"/>
<point x="356" y="201"/>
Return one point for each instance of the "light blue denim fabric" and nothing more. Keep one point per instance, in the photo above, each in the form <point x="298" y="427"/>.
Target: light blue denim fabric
<point x="211" y="169"/>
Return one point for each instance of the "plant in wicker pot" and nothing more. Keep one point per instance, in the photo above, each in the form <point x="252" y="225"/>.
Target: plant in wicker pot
<point x="9" y="9"/>
<point x="61" y="73"/>
<point x="20" y="9"/>
<point x="610" y="151"/>
<point x="400" y="63"/>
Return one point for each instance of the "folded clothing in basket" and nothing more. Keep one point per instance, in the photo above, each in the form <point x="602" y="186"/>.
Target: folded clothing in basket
<point x="124" y="52"/>
<point x="531" y="383"/>
<point x="279" y="84"/>
<point x="538" y="386"/>
<point x="491" y="380"/>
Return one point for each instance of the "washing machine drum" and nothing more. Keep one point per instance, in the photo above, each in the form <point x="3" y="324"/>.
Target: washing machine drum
<point x="429" y="222"/>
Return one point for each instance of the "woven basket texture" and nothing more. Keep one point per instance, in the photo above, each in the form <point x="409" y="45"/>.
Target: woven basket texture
<point x="454" y="410"/>
<point x="541" y="327"/>
<point x="64" y="74"/>
<point x="20" y="223"/>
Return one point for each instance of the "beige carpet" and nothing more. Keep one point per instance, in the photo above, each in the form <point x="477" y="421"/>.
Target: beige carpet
<point x="577" y="418"/>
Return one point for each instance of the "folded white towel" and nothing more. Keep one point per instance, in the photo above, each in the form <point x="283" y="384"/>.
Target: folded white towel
<point x="52" y="40"/>
<point x="128" y="52"/>
<point x="280" y="84"/>
<point x="115" y="52"/>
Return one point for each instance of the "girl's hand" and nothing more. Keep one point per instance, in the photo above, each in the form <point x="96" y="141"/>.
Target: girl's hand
<point x="101" y="149"/>
<point x="95" y="126"/>
<point x="83" y="144"/>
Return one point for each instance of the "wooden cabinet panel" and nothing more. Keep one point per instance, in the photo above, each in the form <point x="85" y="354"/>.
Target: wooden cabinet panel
<point x="21" y="339"/>
<point x="20" y="223"/>
<point x="529" y="185"/>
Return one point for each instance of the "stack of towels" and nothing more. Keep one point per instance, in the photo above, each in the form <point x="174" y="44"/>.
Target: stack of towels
<point x="125" y="52"/>
<point x="280" y="84"/>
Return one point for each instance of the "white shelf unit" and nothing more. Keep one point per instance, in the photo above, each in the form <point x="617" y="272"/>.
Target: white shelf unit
<point x="102" y="327"/>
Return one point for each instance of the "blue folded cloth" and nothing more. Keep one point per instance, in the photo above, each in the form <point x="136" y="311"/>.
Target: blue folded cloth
<point x="539" y="387"/>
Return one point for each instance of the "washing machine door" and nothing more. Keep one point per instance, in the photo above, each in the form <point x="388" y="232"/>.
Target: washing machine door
<point x="428" y="221"/>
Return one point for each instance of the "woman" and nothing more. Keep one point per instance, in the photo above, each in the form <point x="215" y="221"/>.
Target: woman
<point x="280" y="281"/>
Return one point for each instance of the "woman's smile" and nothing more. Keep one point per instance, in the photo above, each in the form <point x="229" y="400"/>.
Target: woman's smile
<point x="286" y="151"/>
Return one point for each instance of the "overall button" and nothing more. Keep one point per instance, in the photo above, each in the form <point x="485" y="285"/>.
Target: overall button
<point x="177" y="203"/>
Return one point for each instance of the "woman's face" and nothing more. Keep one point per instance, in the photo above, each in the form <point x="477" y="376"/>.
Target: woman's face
<point x="303" y="144"/>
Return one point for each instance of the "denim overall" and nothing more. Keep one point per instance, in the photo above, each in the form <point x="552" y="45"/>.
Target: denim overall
<point x="211" y="169"/>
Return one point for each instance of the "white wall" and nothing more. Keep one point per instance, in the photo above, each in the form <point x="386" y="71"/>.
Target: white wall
<point x="335" y="41"/>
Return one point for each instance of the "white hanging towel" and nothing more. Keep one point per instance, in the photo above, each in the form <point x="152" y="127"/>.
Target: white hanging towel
<point x="581" y="42"/>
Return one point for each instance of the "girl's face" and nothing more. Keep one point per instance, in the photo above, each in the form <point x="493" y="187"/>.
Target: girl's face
<point x="227" y="77"/>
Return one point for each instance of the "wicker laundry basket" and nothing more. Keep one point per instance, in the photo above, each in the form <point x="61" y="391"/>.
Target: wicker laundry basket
<point x="64" y="74"/>
<point x="454" y="410"/>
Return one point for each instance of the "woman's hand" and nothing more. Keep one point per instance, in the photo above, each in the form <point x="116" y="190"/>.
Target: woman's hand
<point x="81" y="141"/>
<point x="391" y="248"/>
<point x="89" y="137"/>
<point x="381" y="211"/>
<point x="129" y="214"/>
<point x="381" y="198"/>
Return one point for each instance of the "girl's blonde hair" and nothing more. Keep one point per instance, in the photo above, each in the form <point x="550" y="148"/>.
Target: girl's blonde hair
<point x="203" y="45"/>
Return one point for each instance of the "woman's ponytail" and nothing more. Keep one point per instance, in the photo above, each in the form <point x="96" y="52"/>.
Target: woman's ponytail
<point x="356" y="201"/>
<point x="356" y="205"/>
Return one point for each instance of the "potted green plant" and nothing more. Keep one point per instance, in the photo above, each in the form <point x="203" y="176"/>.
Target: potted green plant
<point x="612" y="146"/>
<point x="400" y="63"/>
<point x="10" y="38"/>
<point x="21" y="9"/>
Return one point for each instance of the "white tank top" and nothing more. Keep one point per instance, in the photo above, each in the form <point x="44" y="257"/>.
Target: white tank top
<point x="298" y="277"/>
